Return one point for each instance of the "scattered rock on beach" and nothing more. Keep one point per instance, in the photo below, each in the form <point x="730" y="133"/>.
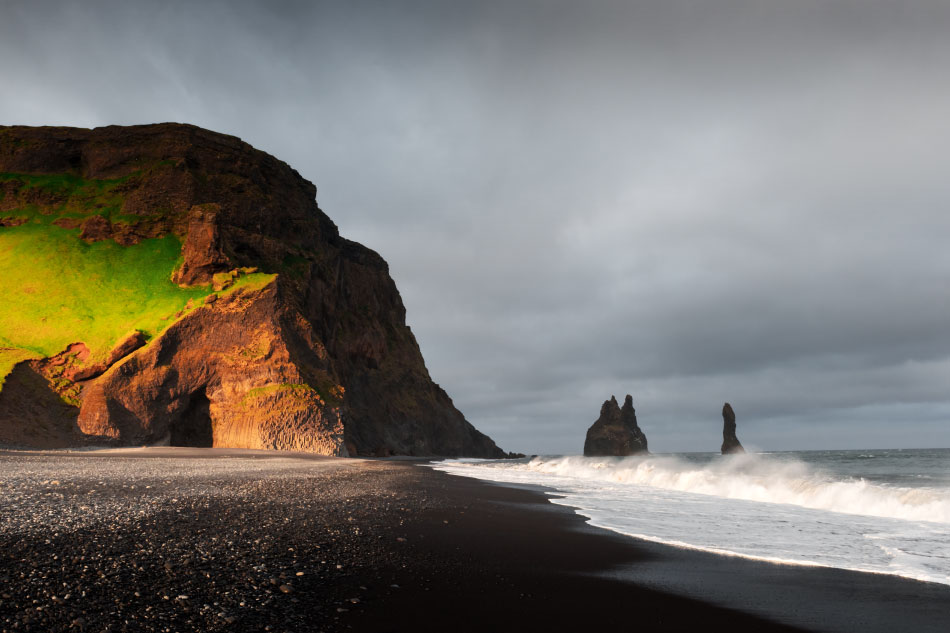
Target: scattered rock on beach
<point x="230" y="544"/>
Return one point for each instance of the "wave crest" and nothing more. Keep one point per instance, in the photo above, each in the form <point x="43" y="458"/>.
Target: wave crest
<point x="754" y="478"/>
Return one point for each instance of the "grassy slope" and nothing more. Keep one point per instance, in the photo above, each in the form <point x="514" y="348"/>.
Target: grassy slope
<point x="58" y="289"/>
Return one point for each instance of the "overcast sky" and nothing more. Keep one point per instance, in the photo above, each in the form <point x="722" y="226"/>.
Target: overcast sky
<point x="692" y="202"/>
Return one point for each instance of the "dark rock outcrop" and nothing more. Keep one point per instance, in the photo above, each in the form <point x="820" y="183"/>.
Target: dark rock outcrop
<point x="615" y="432"/>
<point x="34" y="415"/>
<point x="238" y="372"/>
<point x="94" y="229"/>
<point x="202" y="247"/>
<point x="318" y="358"/>
<point x="730" y="443"/>
<point x="125" y="347"/>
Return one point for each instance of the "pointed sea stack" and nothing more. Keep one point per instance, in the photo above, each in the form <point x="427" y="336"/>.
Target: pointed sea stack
<point x="615" y="432"/>
<point x="730" y="443"/>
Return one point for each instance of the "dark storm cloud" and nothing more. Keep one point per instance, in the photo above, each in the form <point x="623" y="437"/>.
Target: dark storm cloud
<point x="689" y="201"/>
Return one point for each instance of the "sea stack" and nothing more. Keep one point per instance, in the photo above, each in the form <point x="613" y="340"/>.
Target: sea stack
<point x="730" y="443"/>
<point x="615" y="433"/>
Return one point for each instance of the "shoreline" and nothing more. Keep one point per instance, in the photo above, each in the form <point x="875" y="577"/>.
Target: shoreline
<point x="379" y="545"/>
<point x="800" y="597"/>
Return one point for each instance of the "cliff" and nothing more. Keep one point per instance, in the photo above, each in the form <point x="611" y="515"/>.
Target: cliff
<point x="730" y="443"/>
<point x="615" y="432"/>
<point x="166" y="283"/>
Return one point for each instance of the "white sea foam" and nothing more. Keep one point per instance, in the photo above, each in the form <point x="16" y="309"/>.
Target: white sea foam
<point x="757" y="478"/>
<point x="768" y="507"/>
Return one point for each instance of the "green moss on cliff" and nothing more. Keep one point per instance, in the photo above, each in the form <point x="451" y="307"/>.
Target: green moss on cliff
<point x="59" y="289"/>
<point x="45" y="198"/>
<point x="328" y="393"/>
<point x="258" y="392"/>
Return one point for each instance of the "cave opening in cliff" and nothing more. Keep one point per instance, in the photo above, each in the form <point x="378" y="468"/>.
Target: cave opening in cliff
<point x="193" y="428"/>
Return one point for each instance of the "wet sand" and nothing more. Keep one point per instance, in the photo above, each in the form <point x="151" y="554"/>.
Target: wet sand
<point x="230" y="540"/>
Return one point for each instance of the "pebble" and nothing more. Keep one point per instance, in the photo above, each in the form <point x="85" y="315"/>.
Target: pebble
<point x="173" y="544"/>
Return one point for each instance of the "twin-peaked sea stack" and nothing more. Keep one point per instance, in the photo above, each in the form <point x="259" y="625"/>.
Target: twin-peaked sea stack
<point x="730" y="443"/>
<point x="167" y="284"/>
<point x="615" y="432"/>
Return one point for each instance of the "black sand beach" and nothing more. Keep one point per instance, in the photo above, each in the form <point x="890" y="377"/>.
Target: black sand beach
<point x="226" y="540"/>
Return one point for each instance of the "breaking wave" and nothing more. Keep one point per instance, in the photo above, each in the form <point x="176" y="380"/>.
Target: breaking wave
<point x="853" y="510"/>
<point x="760" y="478"/>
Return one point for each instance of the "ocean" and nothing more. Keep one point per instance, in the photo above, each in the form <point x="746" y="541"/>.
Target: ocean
<point x="880" y="511"/>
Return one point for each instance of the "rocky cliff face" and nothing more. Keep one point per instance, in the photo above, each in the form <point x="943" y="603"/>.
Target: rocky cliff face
<point x="730" y="443"/>
<point x="615" y="432"/>
<point x="293" y="337"/>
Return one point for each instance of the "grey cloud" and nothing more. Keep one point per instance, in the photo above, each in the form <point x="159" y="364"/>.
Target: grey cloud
<point x="691" y="201"/>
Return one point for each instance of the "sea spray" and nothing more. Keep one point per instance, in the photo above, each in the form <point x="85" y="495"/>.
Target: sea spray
<point x="886" y="511"/>
<point x="757" y="478"/>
